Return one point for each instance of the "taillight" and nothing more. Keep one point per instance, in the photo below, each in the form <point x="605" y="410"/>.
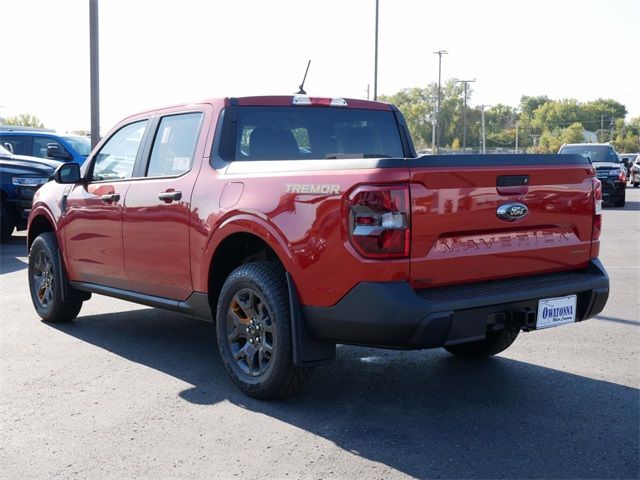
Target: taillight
<point x="597" y="212"/>
<point x="378" y="219"/>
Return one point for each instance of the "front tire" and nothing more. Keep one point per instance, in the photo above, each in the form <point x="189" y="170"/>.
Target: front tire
<point x="45" y="275"/>
<point x="495" y="342"/>
<point x="620" y="202"/>
<point x="253" y="326"/>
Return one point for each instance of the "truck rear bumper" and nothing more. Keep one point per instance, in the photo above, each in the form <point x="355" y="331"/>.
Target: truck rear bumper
<point x="393" y="315"/>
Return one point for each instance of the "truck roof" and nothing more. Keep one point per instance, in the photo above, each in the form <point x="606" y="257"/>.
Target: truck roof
<point x="288" y="100"/>
<point x="282" y="101"/>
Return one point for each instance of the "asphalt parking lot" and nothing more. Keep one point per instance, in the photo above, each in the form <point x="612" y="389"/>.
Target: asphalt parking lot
<point x="128" y="391"/>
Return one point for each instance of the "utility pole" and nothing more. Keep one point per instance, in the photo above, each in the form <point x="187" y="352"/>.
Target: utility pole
<point x="94" y="72"/>
<point x="613" y="122"/>
<point x="367" y="91"/>
<point x="484" y="135"/>
<point x="437" y="121"/>
<point x="464" y="113"/>
<point x="517" y="137"/>
<point x="601" y="126"/>
<point x="375" y="73"/>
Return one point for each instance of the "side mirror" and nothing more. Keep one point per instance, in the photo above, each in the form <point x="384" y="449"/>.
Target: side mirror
<point x="67" y="173"/>
<point x="55" y="151"/>
<point x="8" y="146"/>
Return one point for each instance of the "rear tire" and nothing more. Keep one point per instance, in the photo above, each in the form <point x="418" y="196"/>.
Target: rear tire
<point x="44" y="282"/>
<point x="253" y="326"/>
<point x="636" y="184"/>
<point x="6" y="224"/>
<point x="495" y="342"/>
<point x="620" y="202"/>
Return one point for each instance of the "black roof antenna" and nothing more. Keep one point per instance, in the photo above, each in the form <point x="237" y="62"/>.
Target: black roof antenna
<point x="301" y="91"/>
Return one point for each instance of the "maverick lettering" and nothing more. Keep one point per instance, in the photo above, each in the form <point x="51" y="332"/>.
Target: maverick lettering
<point x="525" y="239"/>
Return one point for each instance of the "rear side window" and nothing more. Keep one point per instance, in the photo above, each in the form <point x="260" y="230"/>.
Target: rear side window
<point x="174" y="145"/>
<point x="20" y="145"/>
<point x="117" y="157"/>
<point x="298" y="133"/>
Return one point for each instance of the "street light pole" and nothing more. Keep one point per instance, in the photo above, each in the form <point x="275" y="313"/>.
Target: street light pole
<point x="375" y="73"/>
<point x="94" y="72"/>
<point x="464" y="113"/>
<point x="435" y="125"/>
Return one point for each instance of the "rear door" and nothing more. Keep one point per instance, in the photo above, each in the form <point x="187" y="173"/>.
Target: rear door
<point x="158" y="207"/>
<point x="93" y="213"/>
<point x="459" y="235"/>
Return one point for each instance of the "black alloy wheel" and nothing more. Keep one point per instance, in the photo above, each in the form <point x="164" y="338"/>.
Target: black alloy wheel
<point x="250" y="332"/>
<point x="43" y="279"/>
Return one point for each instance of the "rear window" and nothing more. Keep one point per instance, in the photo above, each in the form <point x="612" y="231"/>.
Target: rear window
<point x="299" y="133"/>
<point x="597" y="153"/>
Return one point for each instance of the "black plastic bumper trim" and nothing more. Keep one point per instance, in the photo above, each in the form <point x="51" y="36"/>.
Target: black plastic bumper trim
<point x="393" y="315"/>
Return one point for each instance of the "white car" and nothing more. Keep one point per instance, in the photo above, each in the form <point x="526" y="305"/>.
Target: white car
<point x="634" y="175"/>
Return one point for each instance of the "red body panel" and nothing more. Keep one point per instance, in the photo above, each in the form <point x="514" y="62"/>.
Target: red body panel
<point x="308" y="232"/>
<point x="457" y="236"/>
<point x="92" y="233"/>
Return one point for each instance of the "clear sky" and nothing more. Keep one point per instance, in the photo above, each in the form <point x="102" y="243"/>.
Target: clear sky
<point x="154" y="52"/>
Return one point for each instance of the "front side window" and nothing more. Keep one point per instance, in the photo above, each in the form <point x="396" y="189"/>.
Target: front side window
<point x="298" y="133"/>
<point x="82" y="145"/>
<point x="117" y="157"/>
<point x="40" y="146"/>
<point x="174" y="145"/>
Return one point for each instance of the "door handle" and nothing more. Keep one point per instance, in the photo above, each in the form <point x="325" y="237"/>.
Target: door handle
<point x="170" y="196"/>
<point x="110" y="197"/>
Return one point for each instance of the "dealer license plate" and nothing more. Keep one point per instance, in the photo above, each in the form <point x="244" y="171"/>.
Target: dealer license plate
<point x="556" y="311"/>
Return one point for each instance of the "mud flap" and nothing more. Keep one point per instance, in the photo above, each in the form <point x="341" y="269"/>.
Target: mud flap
<point x="307" y="352"/>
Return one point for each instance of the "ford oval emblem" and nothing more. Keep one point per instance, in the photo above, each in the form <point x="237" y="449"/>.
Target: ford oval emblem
<point x="510" y="212"/>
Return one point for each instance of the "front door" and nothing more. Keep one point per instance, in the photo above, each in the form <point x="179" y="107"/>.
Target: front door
<point x="93" y="211"/>
<point x="157" y="211"/>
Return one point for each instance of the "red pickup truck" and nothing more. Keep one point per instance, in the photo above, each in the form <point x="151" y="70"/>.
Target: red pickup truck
<point x="296" y="223"/>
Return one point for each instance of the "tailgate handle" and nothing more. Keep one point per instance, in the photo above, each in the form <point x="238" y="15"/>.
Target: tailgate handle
<point x="512" y="180"/>
<point x="512" y="184"/>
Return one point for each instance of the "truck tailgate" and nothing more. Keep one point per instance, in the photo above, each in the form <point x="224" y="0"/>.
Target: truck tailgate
<point x="458" y="237"/>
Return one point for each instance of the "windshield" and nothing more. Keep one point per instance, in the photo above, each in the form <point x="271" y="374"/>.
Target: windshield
<point x="597" y="153"/>
<point x="82" y="145"/>
<point x="299" y="133"/>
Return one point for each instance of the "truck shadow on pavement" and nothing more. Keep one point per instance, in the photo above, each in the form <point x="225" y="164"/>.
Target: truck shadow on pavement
<point x="425" y="413"/>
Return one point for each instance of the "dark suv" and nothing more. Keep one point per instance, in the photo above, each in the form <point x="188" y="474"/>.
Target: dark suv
<point x="609" y="169"/>
<point x="20" y="177"/>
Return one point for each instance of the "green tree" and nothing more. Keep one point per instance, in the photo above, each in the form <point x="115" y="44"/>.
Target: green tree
<point x="552" y="140"/>
<point x="528" y="105"/>
<point x="418" y="106"/>
<point x="628" y="143"/>
<point x="24" y="120"/>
